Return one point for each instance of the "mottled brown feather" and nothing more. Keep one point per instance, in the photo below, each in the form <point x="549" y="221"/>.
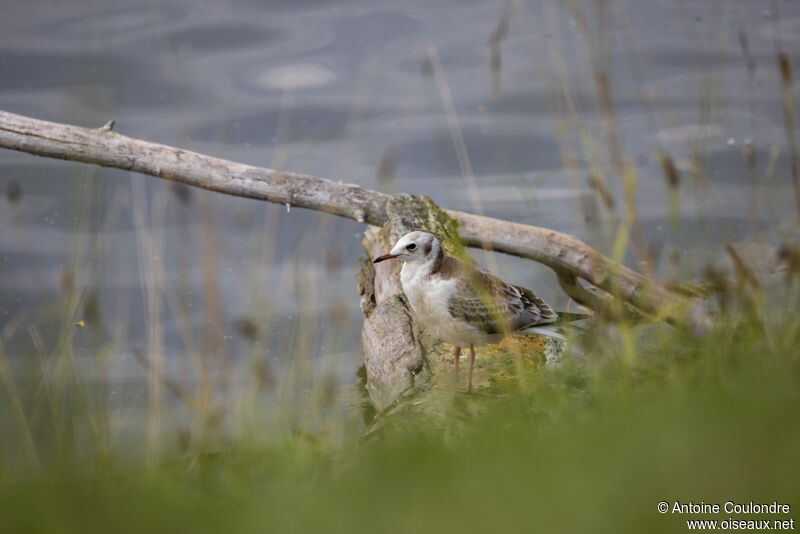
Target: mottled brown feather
<point x="490" y="304"/>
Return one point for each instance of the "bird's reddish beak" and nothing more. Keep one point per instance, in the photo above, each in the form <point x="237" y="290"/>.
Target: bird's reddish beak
<point x="384" y="257"/>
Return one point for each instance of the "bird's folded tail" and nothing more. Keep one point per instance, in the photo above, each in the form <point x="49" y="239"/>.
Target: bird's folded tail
<point x="549" y="331"/>
<point x="568" y="317"/>
<point x="556" y="328"/>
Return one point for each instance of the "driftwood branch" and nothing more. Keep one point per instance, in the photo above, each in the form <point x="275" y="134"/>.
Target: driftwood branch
<point x="562" y="252"/>
<point x="103" y="146"/>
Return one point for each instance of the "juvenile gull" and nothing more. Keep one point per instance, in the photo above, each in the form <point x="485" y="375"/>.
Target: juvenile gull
<point x="462" y="304"/>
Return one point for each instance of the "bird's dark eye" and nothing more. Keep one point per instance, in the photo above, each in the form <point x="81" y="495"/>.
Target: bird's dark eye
<point x="412" y="246"/>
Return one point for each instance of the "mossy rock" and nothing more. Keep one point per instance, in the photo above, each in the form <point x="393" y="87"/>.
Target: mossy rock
<point x="500" y="370"/>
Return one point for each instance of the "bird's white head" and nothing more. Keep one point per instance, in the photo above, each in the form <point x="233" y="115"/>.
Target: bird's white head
<point x="414" y="247"/>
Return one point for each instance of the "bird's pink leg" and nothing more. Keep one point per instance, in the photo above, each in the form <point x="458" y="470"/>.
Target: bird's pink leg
<point x="456" y="356"/>
<point x="471" y="365"/>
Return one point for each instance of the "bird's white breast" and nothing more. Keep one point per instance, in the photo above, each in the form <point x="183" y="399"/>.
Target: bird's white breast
<point x="429" y="297"/>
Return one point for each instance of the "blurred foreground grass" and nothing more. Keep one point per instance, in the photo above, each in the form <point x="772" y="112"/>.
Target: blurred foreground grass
<point x="592" y="446"/>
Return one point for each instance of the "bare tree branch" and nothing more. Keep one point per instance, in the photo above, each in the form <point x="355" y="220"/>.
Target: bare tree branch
<point x="567" y="254"/>
<point x="102" y="146"/>
<point x="562" y="252"/>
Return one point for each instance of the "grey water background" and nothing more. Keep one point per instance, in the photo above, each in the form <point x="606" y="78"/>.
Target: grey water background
<point x="344" y="90"/>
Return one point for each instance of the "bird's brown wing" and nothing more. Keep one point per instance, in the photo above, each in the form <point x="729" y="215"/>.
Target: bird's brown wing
<point x="494" y="306"/>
